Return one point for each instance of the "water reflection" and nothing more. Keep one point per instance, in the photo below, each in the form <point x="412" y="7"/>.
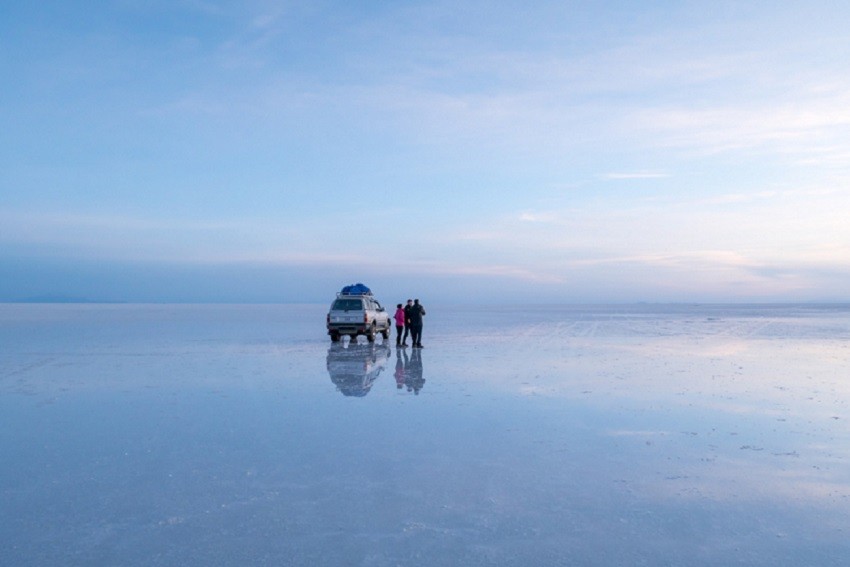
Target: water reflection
<point x="655" y="438"/>
<point x="408" y="370"/>
<point x="354" y="367"/>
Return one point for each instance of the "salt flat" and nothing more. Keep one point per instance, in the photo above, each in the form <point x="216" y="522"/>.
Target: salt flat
<point x="574" y="435"/>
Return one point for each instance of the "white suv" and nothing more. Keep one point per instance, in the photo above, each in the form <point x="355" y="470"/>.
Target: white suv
<point x="356" y="313"/>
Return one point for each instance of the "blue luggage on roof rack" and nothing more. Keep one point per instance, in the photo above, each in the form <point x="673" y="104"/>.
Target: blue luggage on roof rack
<point x="356" y="289"/>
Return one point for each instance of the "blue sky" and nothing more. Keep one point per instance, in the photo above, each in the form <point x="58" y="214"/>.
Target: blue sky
<point x="565" y="151"/>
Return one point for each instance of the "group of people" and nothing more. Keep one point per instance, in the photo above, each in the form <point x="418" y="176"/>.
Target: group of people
<point x="408" y="320"/>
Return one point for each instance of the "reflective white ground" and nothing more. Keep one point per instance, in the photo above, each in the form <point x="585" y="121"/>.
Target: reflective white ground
<point x="603" y="435"/>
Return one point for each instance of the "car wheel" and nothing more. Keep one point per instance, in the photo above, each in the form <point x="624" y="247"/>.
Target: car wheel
<point x="334" y="337"/>
<point x="370" y="336"/>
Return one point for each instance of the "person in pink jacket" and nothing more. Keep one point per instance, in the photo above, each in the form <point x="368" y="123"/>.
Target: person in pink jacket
<point x="399" y="324"/>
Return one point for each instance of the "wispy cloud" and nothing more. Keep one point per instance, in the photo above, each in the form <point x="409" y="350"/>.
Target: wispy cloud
<point x="803" y="125"/>
<point x="538" y="217"/>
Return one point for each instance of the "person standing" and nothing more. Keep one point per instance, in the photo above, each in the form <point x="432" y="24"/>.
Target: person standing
<point x="406" y="321"/>
<point x="399" y="323"/>
<point x="415" y="316"/>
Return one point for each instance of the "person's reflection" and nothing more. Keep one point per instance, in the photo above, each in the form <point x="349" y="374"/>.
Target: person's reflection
<point x="355" y="367"/>
<point x="411" y="371"/>
<point x="399" y="368"/>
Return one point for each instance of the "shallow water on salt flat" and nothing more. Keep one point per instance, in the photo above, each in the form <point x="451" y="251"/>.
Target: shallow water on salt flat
<point x="604" y="435"/>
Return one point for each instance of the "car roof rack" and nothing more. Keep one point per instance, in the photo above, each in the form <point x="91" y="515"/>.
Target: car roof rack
<point x="357" y="289"/>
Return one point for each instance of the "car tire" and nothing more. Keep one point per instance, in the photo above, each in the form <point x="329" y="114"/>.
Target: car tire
<point x="335" y="337"/>
<point x="370" y="335"/>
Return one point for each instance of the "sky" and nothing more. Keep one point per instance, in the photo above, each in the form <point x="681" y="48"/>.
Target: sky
<point x="476" y="151"/>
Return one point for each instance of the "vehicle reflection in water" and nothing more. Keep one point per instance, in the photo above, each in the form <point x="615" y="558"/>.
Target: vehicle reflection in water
<point x="408" y="370"/>
<point x="354" y="367"/>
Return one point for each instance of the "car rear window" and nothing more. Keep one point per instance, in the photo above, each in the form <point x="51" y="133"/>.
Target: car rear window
<point x="347" y="305"/>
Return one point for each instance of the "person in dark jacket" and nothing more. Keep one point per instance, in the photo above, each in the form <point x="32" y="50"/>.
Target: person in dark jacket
<point x="415" y="317"/>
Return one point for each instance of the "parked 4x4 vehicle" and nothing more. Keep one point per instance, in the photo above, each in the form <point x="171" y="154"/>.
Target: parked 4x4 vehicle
<point x="356" y="312"/>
